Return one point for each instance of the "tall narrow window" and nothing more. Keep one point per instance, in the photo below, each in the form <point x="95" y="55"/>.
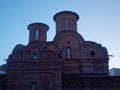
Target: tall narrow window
<point x="34" y="86"/>
<point x="37" y="35"/>
<point x="68" y="52"/>
<point x="60" y="55"/>
<point x="35" y="56"/>
<point x="66" y="24"/>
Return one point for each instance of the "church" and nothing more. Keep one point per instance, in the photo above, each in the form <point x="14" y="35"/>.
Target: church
<point x="67" y="63"/>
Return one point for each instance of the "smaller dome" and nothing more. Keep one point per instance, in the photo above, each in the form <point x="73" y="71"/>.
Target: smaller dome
<point x="38" y="31"/>
<point x="38" y="25"/>
<point x="66" y="12"/>
<point x="18" y="48"/>
<point x="66" y="20"/>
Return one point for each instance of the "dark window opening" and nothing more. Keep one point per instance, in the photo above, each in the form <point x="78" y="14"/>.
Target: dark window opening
<point x="68" y="42"/>
<point x="34" y="86"/>
<point x="68" y="52"/>
<point x="66" y="24"/>
<point x="37" y="35"/>
<point x="92" y="53"/>
<point x="60" y="54"/>
<point x="35" y="56"/>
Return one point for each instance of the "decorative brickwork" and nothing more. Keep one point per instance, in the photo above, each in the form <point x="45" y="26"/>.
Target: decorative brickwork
<point x="3" y="81"/>
<point x="66" y="63"/>
<point x="77" y="82"/>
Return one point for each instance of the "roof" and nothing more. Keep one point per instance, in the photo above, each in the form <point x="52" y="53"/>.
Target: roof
<point x="37" y="24"/>
<point x="65" y="12"/>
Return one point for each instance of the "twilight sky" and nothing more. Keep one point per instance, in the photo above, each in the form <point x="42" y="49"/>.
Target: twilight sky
<point x="99" y="21"/>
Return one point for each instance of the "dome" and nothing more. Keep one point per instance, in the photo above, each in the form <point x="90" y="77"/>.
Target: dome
<point x="66" y="12"/>
<point x="18" y="47"/>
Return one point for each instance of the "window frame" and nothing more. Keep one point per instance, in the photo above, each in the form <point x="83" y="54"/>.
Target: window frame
<point x="34" y="86"/>
<point x="66" y="24"/>
<point x="35" y="56"/>
<point x="68" y="53"/>
<point x="37" y="35"/>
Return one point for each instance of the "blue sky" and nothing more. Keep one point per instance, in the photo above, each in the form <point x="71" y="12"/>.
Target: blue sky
<point x="99" y="21"/>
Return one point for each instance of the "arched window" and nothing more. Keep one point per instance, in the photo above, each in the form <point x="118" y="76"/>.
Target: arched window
<point x="35" y="56"/>
<point x="66" y="24"/>
<point x="68" y="52"/>
<point x="34" y="86"/>
<point x="37" y="35"/>
<point x="60" y="54"/>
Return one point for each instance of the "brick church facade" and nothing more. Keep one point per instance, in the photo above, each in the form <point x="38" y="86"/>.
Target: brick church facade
<point x="66" y="63"/>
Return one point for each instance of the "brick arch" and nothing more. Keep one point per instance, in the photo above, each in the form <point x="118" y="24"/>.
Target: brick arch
<point x="69" y="39"/>
<point x="16" y="56"/>
<point x="53" y="48"/>
<point x="36" y="47"/>
<point x="51" y="55"/>
<point x="98" y="49"/>
<point x="70" y="33"/>
<point x="96" y="63"/>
